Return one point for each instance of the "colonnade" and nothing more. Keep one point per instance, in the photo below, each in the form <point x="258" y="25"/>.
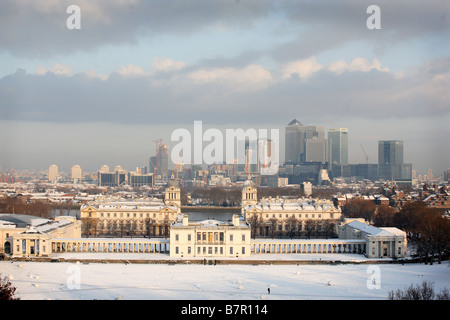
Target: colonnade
<point x="116" y="245"/>
<point x="163" y="246"/>
<point x="308" y="246"/>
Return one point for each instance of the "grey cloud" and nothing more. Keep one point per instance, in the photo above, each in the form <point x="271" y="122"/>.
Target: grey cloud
<point x="150" y="98"/>
<point x="38" y="28"/>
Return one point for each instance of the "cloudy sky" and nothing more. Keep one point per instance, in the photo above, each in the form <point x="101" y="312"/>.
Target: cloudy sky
<point x="137" y="70"/>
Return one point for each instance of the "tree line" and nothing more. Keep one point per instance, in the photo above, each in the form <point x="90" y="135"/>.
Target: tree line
<point x="39" y="208"/>
<point x="427" y="230"/>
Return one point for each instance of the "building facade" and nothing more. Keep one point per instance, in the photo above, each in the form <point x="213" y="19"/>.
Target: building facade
<point x="294" y="142"/>
<point x="269" y="216"/>
<point x="119" y="217"/>
<point x="27" y="236"/>
<point x="338" y="145"/>
<point x="380" y="242"/>
<point x="210" y="238"/>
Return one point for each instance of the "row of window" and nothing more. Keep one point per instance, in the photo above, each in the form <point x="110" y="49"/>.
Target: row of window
<point x="211" y="237"/>
<point x="298" y="215"/>
<point x="216" y="250"/>
<point x="133" y="215"/>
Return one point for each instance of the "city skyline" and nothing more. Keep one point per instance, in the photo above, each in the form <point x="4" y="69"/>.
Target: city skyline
<point x="136" y="71"/>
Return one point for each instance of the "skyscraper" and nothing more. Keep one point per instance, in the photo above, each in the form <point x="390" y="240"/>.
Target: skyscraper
<point x="53" y="173"/>
<point x="390" y="152"/>
<point x="338" y="145"/>
<point x="163" y="161"/>
<point x="294" y="142"/>
<point x="390" y="162"/>
<point x="76" y="173"/>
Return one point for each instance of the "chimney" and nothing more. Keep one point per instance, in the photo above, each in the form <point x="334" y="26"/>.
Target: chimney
<point x="185" y="220"/>
<point x="236" y="221"/>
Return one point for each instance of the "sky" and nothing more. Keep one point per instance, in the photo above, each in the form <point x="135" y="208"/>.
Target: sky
<point x="137" y="70"/>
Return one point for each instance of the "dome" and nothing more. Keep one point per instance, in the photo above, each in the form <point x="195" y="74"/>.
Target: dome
<point x="173" y="183"/>
<point x="248" y="183"/>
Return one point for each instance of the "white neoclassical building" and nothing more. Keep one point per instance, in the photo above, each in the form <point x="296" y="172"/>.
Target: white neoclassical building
<point x="380" y="242"/>
<point x="29" y="236"/>
<point x="210" y="238"/>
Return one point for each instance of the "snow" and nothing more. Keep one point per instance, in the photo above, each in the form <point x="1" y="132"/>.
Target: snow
<point x="128" y="281"/>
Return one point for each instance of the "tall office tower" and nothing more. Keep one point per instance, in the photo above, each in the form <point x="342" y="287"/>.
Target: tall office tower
<point x="294" y="142"/>
<point x="338" y="145"/>
<point x="390" y="152"/>
<point x="163" y="161"/>
<point x="53" y="173"/>
<point x="316" y="150"/>
<point x="152" y="164"/>
<point x="76" y="173"/>
<point x="390" y="162"/>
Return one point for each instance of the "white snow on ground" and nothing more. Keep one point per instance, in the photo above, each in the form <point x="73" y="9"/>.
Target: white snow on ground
<point x="80" y="281"/>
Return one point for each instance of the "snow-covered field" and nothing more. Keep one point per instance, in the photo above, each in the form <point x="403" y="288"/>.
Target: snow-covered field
<point x="79" y="281"/>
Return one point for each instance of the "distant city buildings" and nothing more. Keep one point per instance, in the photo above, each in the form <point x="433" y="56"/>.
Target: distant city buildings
<point x="390" y="162"/>
<point x="338" y="145"/>
<point x="310" y="156"/>
<point x="76" y="173"/>
<point x="308" y="153"/>
<point x="53" y="173"/>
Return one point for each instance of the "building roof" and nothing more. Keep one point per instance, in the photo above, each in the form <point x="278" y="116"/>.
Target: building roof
<point x="49" y="226"/>
<point x="374" y="231"/>
<point x="23" y="220"/>
<point x="295" y="205"/>
<point x="295" y="122"/>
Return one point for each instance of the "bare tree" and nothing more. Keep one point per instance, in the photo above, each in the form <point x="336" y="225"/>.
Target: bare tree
<point x="255" y="223"/>
<point x="291" y="226"/>
<point x="7" y="291"/>
<point x="310" y="226"/>
<point x="423" y="291"/>
<point x="273" y="225"/>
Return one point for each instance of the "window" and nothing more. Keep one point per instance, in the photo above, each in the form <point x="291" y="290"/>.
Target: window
<point x="177" y="237"/>
<point x="243" y="238"/>
<point x="189" y="250"/>
<point x="199" y="236"/>
<point x="231" y="237"/>
<point x="231" y="250"/>
<point x="189" y="237"/>
<point x="243" y="250"/>
<point x="176" y="250"/>
<point x="209" y="250"/>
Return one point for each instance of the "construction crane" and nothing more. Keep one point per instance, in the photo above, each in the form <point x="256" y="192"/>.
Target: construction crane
<point x="365" y="155"/>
